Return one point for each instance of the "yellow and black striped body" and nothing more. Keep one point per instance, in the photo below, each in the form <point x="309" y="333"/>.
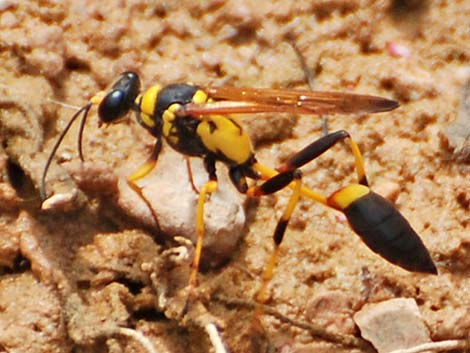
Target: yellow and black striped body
<point x="218" y="136"/>
<point x="196" y="122"/>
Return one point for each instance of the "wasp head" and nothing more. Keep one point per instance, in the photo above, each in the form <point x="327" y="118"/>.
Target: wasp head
<point x="120" y="99"/>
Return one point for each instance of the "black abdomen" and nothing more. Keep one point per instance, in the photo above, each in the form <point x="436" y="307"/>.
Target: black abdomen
<point x="388" y="233"/>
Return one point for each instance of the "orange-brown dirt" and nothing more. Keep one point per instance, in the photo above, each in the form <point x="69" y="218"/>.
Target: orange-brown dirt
<point x="73" y="276"/>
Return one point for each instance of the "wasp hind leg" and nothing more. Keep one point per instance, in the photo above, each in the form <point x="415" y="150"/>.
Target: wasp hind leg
<point x="288" y="174"/>
<point x="379" y="224"/>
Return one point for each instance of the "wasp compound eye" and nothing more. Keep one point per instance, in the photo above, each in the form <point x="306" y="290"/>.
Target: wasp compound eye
<point x="117" y="103"/>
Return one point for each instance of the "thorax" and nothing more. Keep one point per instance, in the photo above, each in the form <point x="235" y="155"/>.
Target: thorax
<point x="218" y="135"/>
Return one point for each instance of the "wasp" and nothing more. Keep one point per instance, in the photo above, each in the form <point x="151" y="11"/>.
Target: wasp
<point x="197" y="122"/>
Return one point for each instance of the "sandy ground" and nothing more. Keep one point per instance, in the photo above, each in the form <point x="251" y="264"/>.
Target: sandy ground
<point x="75" y="277"/>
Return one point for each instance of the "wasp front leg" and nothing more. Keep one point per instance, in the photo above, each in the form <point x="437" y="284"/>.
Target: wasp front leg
<point x="142" y="172"/>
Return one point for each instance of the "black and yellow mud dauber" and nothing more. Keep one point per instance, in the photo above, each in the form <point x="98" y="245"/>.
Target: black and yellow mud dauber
<point x="196" y="121"/>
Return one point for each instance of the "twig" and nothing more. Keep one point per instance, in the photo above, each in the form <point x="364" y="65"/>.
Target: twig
<point x="315" y="330"/>
<point x="215" y="338"/>
<point x="200" y="317"/>
<point x="309" y="76"/>
<point x="436" y="346"/>
<point x="138" y="336"/>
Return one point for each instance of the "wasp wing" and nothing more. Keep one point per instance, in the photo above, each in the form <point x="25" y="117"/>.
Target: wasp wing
<point x="234" y="100"/>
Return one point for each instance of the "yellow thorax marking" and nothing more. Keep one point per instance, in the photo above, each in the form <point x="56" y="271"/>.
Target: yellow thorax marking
<point x="169" y="116"/>
<point x="224" y="134"/>
<point x="147" y="105"/>
<point x="200" y="97"/>
<point x="168" y="120"/>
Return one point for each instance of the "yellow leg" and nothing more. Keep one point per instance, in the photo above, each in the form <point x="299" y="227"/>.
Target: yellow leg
<point x="142" y="172"/>
<point x="262" y="294"/>
<point x="359" y="161"/>
<point x="145" y="168"/>
<point x="207" y="189"/>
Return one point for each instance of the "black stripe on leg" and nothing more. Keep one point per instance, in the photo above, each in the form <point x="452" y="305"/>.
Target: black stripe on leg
<point x="316" y="148"/>
<point x="280" y="231"/>
<point x="277" y="182"/>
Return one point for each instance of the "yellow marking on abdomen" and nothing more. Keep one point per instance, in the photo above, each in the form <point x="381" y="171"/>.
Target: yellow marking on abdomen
<point x="343" y="198"/>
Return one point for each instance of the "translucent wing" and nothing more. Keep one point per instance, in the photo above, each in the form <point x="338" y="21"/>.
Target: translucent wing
<point x="233" y="100"/>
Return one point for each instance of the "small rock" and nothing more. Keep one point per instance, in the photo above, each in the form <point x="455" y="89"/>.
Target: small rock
<point x="398" y="50"/>
<point x="392" y="324"/>
<point x="62" y="201"/>
<point x="172" y="200"/>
